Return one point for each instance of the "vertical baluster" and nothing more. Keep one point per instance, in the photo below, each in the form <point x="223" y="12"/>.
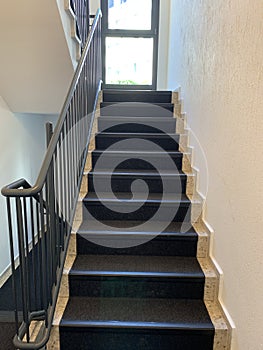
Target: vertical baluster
<point x="23" y="269"/>
<point x="65" y="174"/>
<point x="81" y="116"/>
<point x="84" y="103"/>
<point x="87" y="18"/>
<point x="90" y="82"/>
<point x="34" y="271"/>
<point x="62" y="188"/>
<point x="74" y="140"/>
<point x="57" y="210"/>
<point x="27" y="257"/>
<point x="39" y="256"/>
<point x="71" y="147"/>
<point x="12" y="256"/>
<point x="43" y="244"/>
<point x="92" y="70"/>
<point x="85" y="88"/>
<point x="74" y="157"/>
<point x="67" y="189"/>
<point x="47" y="233"/>
<point x="51" y="204"/>
<point x="78" y="129"/>
<point x="77" y="136"/>
<point x="87" y="93"/>
<point x="85" y="120"/>
<point x="49" y="228"/>
<point x="69" y="160"/>
<point x="55" y="218"/>
<point x="52" y="226"/>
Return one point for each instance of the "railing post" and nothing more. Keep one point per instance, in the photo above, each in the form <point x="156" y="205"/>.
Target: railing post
<point x="51" y="216"/>
<point x="87" y="19"/>
<point x="49" y="132"/>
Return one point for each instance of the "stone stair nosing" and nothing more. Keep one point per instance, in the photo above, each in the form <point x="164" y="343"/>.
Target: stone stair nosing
<point x="222" y="339"/>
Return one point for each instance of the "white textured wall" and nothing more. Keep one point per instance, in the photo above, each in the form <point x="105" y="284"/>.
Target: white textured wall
<point x="94" y="6"/>
<point x="36" y="67"/>
<point x="216" y="55"/>
<point x="22" y="145"/>
<point x="164" y="21"/>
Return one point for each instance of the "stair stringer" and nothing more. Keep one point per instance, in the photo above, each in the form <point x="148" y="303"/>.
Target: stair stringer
<point x="213" y="274"/>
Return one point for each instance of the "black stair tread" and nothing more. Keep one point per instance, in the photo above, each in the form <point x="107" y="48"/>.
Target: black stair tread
<point x="174" y="229"/>
<point x="136" y="92"/>
<point x="136" y="172"/>
<point x="140" y="197"/>
<point x="136" y="96"/>
<point x="152" y="197"/>
<point x="134" y="265"/>
<point x="138" y="152"/>
<point x="137" y="124"/>
<point x="137" y="103"/>
<point x="137" y="109"/>
<point x="177" y="314"/>
<point x="136" y="120"/>
<point x="137" y="135"/>
<point x="141" y="104"/>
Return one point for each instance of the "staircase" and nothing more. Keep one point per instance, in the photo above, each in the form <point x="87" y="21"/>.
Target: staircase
<point x="136" y="282"/>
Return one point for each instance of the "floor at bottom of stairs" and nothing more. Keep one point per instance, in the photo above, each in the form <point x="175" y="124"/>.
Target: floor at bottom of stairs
<point x="7" y="332"/>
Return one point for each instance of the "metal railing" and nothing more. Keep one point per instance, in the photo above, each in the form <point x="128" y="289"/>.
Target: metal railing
<point x="81" y="10"/>
<point x="40" y="217"/>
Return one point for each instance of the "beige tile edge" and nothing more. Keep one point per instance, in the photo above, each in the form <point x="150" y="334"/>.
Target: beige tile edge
<point x="63" y="297"/>
<point x="223" y="326"/>
<point x="211" y="279"/>
<point x="54" y="343"/>
<point x="34" y="330"/>
<point x="222" y="338"/>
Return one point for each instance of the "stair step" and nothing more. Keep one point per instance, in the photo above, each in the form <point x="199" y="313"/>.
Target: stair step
<point x="121" y="181"/>
<point x="131" y="238"/>
<point x="136" y="109"/>
<point x="136" y="277"/>
<point x="124" y="323"/>
<point x="140" y="160"/>
<point x="137" y="96"/>
<point x="165" y="141"/>
<point x="137" y="124"/>
<point x="105" y="206"/>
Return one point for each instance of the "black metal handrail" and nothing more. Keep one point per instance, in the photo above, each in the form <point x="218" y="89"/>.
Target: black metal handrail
<point x="40" y="217"/>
